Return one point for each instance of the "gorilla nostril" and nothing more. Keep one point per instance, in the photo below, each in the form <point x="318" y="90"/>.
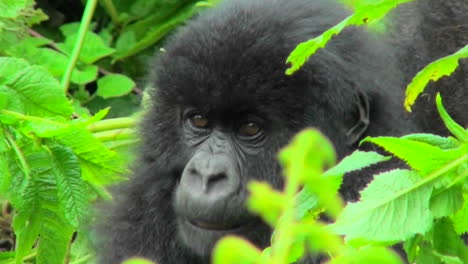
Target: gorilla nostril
<point x="216" y="178"/>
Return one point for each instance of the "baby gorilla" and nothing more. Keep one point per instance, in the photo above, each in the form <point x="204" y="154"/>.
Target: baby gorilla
<point x="222" y="108"/>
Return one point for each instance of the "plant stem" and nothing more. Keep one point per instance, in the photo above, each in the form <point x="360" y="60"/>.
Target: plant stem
<point x="113" y="123"/>
<point x="115" y="134"/>
<point x="84" y="25"/>
<point x="111" y="11"/>
<point x="19" y="153"/>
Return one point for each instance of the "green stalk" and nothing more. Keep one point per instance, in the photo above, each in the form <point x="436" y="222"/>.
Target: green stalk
<point x="113" y="123"/>
<point x="19" y="153"/>
<point x="84" y="25"/>
<point x="111" y="11"/>
<point x="284" y="237"/>
<point x="115" y="134"/>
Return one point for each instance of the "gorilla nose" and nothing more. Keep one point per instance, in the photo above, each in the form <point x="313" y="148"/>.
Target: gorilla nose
<point x="208" y="180"/>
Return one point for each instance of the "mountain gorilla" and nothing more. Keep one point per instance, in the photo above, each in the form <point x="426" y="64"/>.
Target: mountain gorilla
<point x="222" y="108"/>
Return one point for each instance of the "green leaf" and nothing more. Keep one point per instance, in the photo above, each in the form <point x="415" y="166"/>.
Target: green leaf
<point x="394" y="201"/>
<point x="38" y="212"/>
<point x="137" y="261"/>
<point x="234" y="250"/>
<point x="447" y="202"/>
<point x="269" y="209"/>
<point x="70" y="187"/>
<point x="422" y="157"/>
<point x="55" y="62"/>
<point x="32" y="88"/>
<point x="114" y="85"/>
<point x="93" y="48"/>
<point x="457" y="130"/>
<point x="447" y="243"/>
<point x="356" y="161"/>
<point x="364" y="14"/>
<point x="369" y="254"/>
<point x="153" y="28"/>
<point x="433" y="72"/>
<point x="460" y="219"/>
<point x="308" y="202"/>
<point x="434" y="140"/>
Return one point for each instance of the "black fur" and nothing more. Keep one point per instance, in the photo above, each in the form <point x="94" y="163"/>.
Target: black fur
<point x="232" y="59"/>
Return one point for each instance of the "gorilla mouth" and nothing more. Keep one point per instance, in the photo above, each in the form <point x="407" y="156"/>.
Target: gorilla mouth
<point x="214" y="226"/>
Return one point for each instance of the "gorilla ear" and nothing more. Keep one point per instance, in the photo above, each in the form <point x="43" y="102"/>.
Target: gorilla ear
<point x="355" y="133"/>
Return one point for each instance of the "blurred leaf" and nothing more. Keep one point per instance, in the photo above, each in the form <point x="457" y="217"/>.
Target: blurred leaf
<point x="114" y="85"/>
<point x="234" y="250"/>
<point x="137" y="261"/>
<point x="269" y="209"/>
<point x="153" y="28"/>
<point x="371" y="255"/>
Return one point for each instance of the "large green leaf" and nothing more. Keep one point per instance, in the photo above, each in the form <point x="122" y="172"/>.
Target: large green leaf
<point x="31" y="89"/>
<point x="114" y="85"/>
<point x="421" y="156"/>
<point x="71" y="190"/>
<point x="392" y="208"/>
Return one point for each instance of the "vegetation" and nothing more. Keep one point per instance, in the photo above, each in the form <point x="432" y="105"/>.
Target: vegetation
<point x="59" y="79"/>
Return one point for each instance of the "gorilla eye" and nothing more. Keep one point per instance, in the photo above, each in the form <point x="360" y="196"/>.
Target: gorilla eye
<point x="199" y="121"/>
<point x="249" y="129"/>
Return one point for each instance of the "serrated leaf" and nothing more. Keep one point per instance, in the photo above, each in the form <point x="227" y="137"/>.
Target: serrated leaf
<point x="356" y="161"/>
<point x="396" y="206"/>
<point x="71" y="191"/>
<point x="35" y="90"/>
<point x="114" y="85"/>
<point x="433" y="72"/>
<point x="434" y="140"/>
<point x="460" y="218"/>
<point x="420" y="156"/>
<point x="447" y="202"/>
<point x="367" y="13"/>
<point x="55" y="62"/>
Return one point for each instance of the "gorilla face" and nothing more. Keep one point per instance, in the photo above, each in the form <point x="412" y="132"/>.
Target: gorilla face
<point x="209" y="199"/>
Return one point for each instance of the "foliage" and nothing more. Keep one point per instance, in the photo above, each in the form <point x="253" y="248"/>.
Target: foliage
<point x="57" y="152"/>
<point x="366" y="12"/>
<point x="424" y="206"/>
<point x="433" y="72"/>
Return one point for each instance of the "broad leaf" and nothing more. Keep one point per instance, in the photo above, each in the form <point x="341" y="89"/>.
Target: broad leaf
<point x="396" y="206"/>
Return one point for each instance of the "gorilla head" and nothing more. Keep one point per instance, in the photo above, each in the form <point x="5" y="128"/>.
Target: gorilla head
<point x="222" y="108"/>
